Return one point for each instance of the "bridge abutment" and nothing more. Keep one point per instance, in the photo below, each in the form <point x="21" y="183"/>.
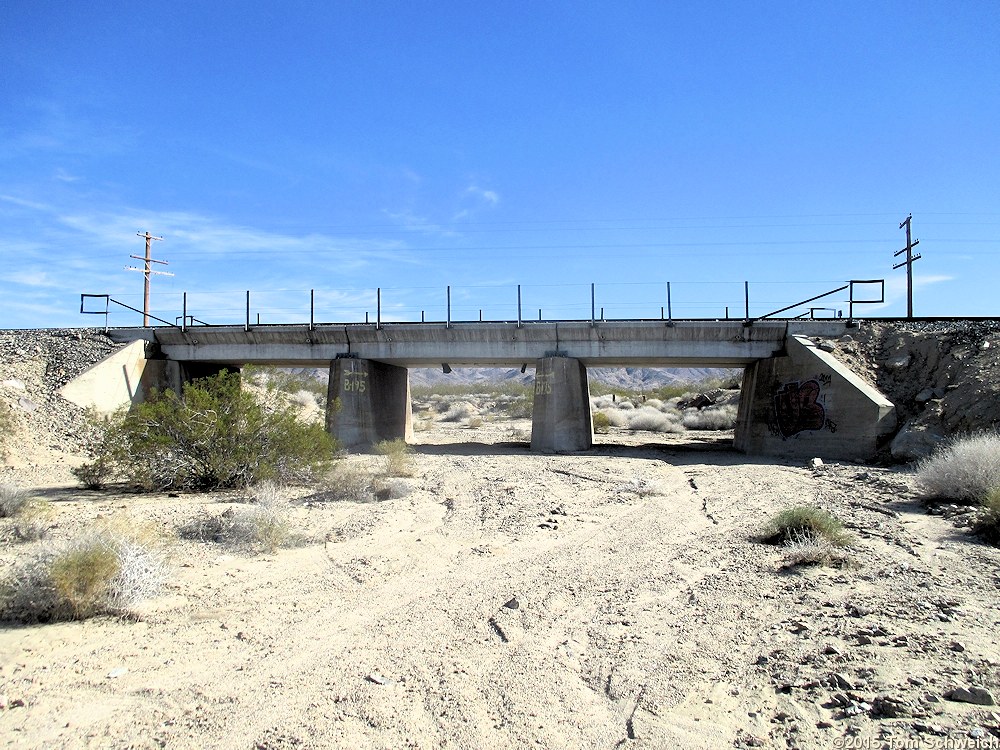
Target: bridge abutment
<point x="808" y="404"/>
<point x="368" y="401"/>
<point x="560" y="418"/>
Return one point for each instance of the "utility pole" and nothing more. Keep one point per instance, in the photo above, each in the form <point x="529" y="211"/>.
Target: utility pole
<point x="147" y="272"/>
<point x="910" y="258"/>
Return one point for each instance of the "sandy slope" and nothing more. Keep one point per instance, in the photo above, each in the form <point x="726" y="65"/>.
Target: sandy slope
<point x="611" y="599"/>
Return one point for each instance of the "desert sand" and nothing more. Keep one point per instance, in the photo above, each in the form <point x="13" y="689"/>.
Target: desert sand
<point x="615" y="598"/>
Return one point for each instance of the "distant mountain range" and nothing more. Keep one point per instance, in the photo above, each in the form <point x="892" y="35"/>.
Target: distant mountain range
<point x="628" y="378"/>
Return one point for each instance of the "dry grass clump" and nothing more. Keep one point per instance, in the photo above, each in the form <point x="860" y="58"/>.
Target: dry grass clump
<point x="987" y="526"/>
<point x="8" y="426"/>
<point x="474" y="423"/>
<point x="807" y="549"/>
<point x="967" y="469"/>
<point x="805" y="522"/>
<point x="107" y="569"/>
<point x="602" y="424"/>
<point x="397" y="457"/>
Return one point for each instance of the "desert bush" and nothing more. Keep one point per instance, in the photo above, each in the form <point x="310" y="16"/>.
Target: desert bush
<point x="711" y="418"/>
<point x="12" y="500"/>
<point x="390" y="488"/>
<point x="966" y="469"/>
<point x="804" y="522"/>
<point x="261" y="527"/>
<point x="987" y="526"/>
<point x="346" y="482"/>
<point x="515" y="407"/>
<point x="397" y="457"/>
<point x="615" y="417"/>
<point x="216" y="435"/>
<point x="654" y="420"/>
<point x="475" y="423"/>
<point x="601" y="422"/>
<point x="106" y="570"/>
<point x="33" y="520"/>
<point x="458" y="412"/>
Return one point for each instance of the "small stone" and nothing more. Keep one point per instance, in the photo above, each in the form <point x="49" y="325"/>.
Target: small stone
<point x="378" y="679"/>
<point x="117" y="672"/>
<point x="857" y="610"/>
<point x="864" y="640"/>
<point x="826" y="346"/>
<point x="513" y="603"/>
<point x="841" y="681"/>
<point x="816" y="463"/>
<point x="924" y="396"/>
<point x="831" y="651"/>
<point x="956" y="646"/>
<point x="977" y="733"/>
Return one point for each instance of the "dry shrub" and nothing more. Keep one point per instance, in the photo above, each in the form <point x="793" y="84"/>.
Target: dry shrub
<point x="346" y="482"/>
<point x="106" y="570"/>
<point x="390" y="489"/>
<point x="615" y="417"/>
<point x="654" y="420"/>
<point x="12" y="500"/>
<point x="711" y="418"/>
<point x="601" y="422"/>
<point x="475" y="423"/>
<point x="261" y="527"/>
<point x="967" y="469"/>
<point x="458" y="412"/>
<point x="33" y="520"/>
<point x="808" y="549"/>
<point x="397" y="457"/>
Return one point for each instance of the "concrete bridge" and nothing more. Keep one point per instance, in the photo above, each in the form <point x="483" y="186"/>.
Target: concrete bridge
<point x="797" y="398"/>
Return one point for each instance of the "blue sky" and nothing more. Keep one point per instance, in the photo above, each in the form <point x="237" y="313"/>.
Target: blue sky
<point x="341" y="147"/>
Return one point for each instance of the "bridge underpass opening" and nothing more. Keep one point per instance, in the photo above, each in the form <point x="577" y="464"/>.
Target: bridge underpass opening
<point x="676" y="406"/>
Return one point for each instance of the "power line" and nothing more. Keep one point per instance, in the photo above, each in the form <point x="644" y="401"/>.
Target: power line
<point x="147" y="272"/>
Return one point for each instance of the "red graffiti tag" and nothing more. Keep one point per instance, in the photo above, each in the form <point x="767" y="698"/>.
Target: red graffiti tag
<point x="797" y="409"/>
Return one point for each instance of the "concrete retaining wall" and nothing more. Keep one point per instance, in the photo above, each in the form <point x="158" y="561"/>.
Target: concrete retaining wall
<point x="809" y="404"/>
<point x="121" y="379"/>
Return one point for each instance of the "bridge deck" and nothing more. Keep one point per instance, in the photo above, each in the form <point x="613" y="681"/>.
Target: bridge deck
<point x="730" y="343"/>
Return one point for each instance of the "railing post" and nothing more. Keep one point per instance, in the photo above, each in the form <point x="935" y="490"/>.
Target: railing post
<point x="593" y="299"/>
<point x="246" y="326"/>
<point x="518" y="305"/>
<point x="670" y="313"/>
<point x="746" y="296"/>
<point x="448" y="321"/>
<point x="184" y="319"/>
<point x="312" y="309"/>
<point x="378" y="309"/>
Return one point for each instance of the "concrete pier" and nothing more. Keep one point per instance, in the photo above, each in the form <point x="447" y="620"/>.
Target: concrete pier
<point x="368" y="401"/>
<point x="560" y="419"/>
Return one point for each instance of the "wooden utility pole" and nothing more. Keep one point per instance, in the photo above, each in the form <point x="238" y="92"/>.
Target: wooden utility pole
<point x="910" y="258"/>
<point x="147" y="271"/>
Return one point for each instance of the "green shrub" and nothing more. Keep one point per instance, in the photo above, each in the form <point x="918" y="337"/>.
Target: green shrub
<point x="216" y="435"/>
<point x="802" y="523"/>
<point x="398" y="457"/>
<point x="602" y="423"/>
<point x="967" y="469"/>
<point x="987" y="527"/>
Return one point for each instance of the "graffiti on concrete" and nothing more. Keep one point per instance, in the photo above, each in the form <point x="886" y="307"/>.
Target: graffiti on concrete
<point x="799" y="406"/>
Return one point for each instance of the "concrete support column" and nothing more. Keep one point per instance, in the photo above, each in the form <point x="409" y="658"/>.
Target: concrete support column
<point x="560" y="419"/>
<point x="368" y="401"/>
